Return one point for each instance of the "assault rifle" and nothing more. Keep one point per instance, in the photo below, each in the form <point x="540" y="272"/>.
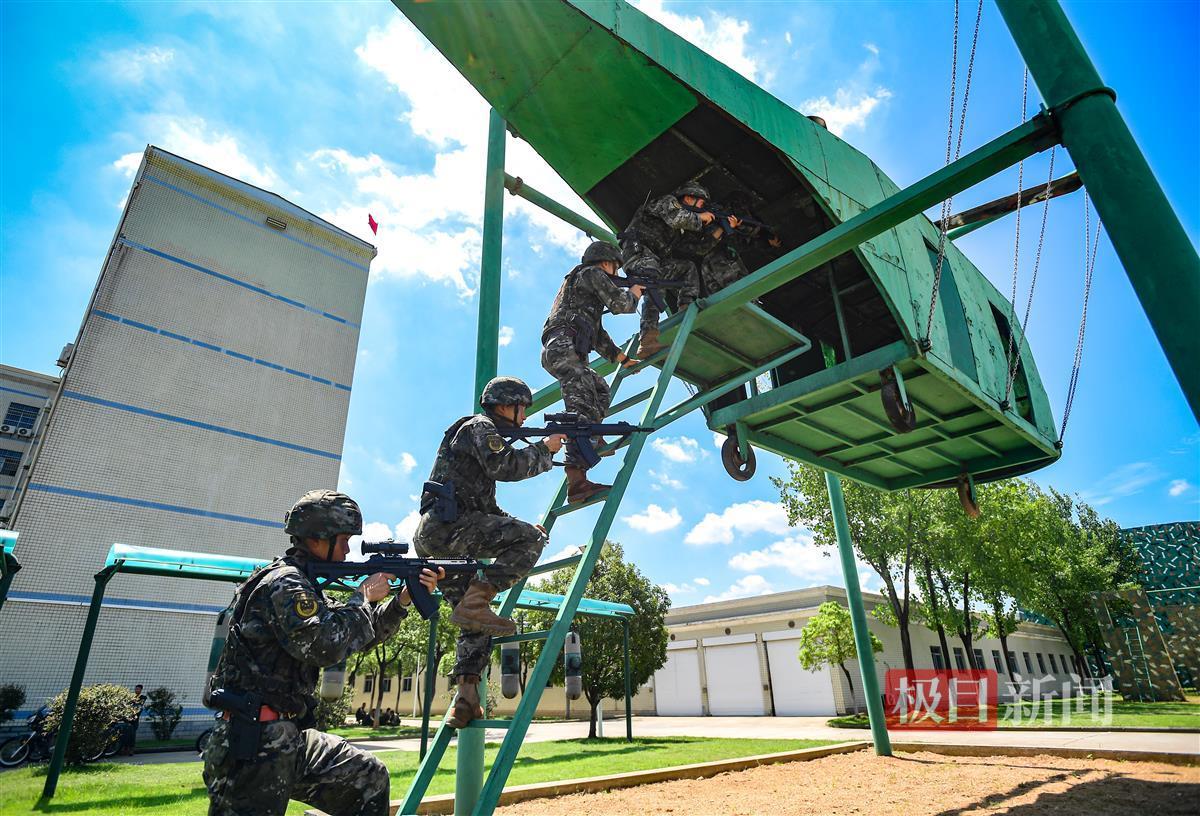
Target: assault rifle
<point x="653" y="287"/>
<point x="577" y="430"/>
<point x="721" y="218"/>
<point x="389" y="556"/>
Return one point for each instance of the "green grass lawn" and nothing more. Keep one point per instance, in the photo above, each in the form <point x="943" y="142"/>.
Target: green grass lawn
<point x="1063" y="713"/>
<point x="176" y="788"/>
<point x="387" y="732"/>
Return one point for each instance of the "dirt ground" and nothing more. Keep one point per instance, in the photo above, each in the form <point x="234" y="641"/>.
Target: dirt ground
<point x="907" y="784"/>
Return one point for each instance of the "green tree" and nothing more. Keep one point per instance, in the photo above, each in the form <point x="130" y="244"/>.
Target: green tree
<point x="97" y="708"/>
<point x="603" y="671"/>
<point x="828" y="640"/>
<point x="163" y="712"/>
<point x="888" y="530"/>
<point x="12" y="697"/>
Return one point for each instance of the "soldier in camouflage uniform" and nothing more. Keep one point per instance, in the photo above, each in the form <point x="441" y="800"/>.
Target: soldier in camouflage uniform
<point x="648" y="245"/>
<point x="725" y="266"/>
<point x="282" y="632"/>
<point x="461" y="519"/>
<point x="572" y="332"/>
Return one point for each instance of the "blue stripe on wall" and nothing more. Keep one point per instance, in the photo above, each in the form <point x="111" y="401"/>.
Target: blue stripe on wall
<point x="85" y="600"/>
<point x="133" y="409"/>
<point x="230" y="279"/>
<point x="170" y="508"/>
<point x="184" y="339"/>
<point x="155" y="180"/>
<point x="23" y="393"/>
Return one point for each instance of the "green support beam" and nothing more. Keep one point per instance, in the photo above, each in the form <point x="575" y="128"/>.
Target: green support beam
<point x="517" y="186"/>
<point x="628" y="680"/>
<point x="1158" y="257"/>
<point x="858" y="617"/>
<point x="430" y="680"/>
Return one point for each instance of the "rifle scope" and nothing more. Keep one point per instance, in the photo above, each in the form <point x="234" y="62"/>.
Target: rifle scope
<point x="388" y="547"/>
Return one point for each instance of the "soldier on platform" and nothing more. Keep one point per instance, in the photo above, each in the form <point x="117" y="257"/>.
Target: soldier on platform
<point x="724" y="265"/>
<point x="461" y="519"/>
<point x="572" y="332"/>
<point x="648" y="246"/>
<point x="283" y="630"/>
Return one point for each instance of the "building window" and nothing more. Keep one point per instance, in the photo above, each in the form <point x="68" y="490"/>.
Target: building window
<point x="979" y="664"/>
<point x="1041" y="663"/>
<point x="960" y="660"/>
<point x="1012" y="660"/>
<point x="387" y="684"/>
<point x="368" y="684"/>
<point x="1028" y="662"/>
<point x="406" y="684"/>
<point x="21" y="416"/>
<point x="996" y="660"/>
<point x="1053" y="664"/>
<point x="936" y="653"/>
<point x="9" y="459"/>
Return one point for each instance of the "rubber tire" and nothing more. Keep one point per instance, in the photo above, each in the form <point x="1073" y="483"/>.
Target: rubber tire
<point x="731" y="458"/>
<point x="202" y="741"/>
<point x="114" y="744"/>
<point x="903" y="418"/>
<point x="19" y="746"/>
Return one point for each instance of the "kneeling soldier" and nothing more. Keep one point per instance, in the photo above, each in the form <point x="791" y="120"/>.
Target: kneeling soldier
<point x="460" y="519"/>
<point x="283" y="630"/>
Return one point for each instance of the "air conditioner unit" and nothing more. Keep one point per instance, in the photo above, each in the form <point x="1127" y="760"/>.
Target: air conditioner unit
<point x="24" y="432"/>
<point x="7" y="429"/>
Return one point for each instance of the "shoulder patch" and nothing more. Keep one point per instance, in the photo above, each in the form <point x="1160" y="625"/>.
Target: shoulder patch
<point x="495" y="443"/>
<point x="306" y="606"/>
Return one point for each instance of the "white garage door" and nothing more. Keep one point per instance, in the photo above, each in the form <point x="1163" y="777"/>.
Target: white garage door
<point x="797" y="693"/>
<point x="734" y="682"/>
<point x="677" y="685"/>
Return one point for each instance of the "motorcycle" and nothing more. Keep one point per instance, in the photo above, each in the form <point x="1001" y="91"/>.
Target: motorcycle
<point x="34" y="746"/>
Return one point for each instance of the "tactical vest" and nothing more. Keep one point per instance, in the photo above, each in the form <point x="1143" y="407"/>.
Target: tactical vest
<point x="566" y="314"/>
<point x="652" y="232"/>
<point x="474" y="490"/>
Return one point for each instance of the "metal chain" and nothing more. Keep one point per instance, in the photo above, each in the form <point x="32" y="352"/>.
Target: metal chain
<point x="1089" y="266"/>
<point x="1014" y="360"/>
<point x="1017" y="239"/>
<point x="962" y="123"/>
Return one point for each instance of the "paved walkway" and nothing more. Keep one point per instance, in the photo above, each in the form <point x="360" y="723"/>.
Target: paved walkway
<point x="796" y="728"/>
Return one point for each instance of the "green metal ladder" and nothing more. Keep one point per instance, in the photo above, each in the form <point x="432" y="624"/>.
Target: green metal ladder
<point x="584" y="564"/>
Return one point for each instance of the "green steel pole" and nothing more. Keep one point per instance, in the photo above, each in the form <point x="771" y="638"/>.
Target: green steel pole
<point x="858" y="617"/>
<point x="1158" y="257"/>
<point x="468" y="779"/>
<point x="81" y="659"/>
<point x="430" y="680"/>
<point x="628" y="678"/>
<point x="518" y="187"/>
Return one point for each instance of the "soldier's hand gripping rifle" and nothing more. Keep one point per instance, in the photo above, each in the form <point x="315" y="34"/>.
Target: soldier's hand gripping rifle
<point x="389" y="556"/>
<point x="577" y="430"/>
<point x="721" y="221"/>
<point x="652" y="286"/>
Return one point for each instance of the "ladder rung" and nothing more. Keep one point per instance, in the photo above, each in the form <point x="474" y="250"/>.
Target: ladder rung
<point x="551" y="566"/>
<point x="522" y="637"/>
<point x="613" y="447"/>
<point x="628" y="403"/>
<point x="564" y="509"/>
<point x="504" y="724"/>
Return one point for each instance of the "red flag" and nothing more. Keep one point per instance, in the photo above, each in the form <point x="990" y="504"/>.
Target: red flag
<point x="373" y="224"/>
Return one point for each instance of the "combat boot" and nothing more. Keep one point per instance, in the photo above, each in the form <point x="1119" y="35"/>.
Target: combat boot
<point x="466" y="704"/>
<point x="474" y="612"/>
<point x="579" y="489"/>
<point x="648" y="344"/>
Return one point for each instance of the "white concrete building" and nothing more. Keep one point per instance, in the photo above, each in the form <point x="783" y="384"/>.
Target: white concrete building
<point x="207" y="390"/>
<point x="25" y="397"/>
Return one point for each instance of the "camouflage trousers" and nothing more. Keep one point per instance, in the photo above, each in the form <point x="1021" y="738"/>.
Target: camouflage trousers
<point x="514" y="544"/>
<point x="313" y="767"/>
<point x="646" y="264"/>
<point x="720" y="268"/>
<point x="584" y="391"/>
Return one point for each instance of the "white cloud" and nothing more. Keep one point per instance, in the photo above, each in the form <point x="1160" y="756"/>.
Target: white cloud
<point x="744" y="518"/>
<point x="403" y="465"/>
<point x="681" y="449"/>
<point x="408" y="526"/>
<point x="134" y="65"/>
<point x="372" y="531"/>
<point x="796" y="554"/>
<point x="193" y="138"/>
<point x="654" y="519"/>
<point x="718" y="440"/>
<point x="1127" y="480"/>
<point x="701" y="581"/>
<point x="787" y="37"/>
<point x="1179" y="487"/>
<point x="664" y="480"/>
<point x="846" y="110"/>
<point x="721" y="36"/>
<point x="506" y="335"/>
<point x="747" y="586"/>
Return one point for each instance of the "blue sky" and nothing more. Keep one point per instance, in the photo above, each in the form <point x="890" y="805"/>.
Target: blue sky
<point x="344" y="109"/>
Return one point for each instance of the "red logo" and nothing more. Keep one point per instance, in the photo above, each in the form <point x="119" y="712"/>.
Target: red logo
<point x="949" y="699"/>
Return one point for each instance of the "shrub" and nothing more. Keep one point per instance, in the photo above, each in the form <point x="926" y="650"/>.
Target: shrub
<point x="12" y="697"/>
<point x="163" y="712"/>
<point x="99" y="707"/>
<point x="333" y="714"/>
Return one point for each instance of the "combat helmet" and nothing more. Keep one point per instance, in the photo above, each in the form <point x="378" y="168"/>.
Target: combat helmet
<point x="692" y="189"/>
<point x="323" y="514"/>
<point x="506" y="391"/>
<point x="598" y="251"/>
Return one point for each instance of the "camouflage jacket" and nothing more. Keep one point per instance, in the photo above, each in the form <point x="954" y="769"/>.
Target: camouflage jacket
<point x="579" y="305"/>
<point x="474" y="457"/>
<point x="661" y="224"/>
<point x="284" y="631"/>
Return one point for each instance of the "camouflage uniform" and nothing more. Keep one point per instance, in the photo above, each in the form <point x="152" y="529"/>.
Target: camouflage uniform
<point x="725" y="265"/>
<point x="572" y="331"/>
<point x="284" y="632"/>
<point x="648" y="246"/>
<point x="473" y="457"/>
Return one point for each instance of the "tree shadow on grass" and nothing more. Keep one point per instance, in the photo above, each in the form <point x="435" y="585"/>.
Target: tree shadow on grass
<point x="125" y="804"/>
